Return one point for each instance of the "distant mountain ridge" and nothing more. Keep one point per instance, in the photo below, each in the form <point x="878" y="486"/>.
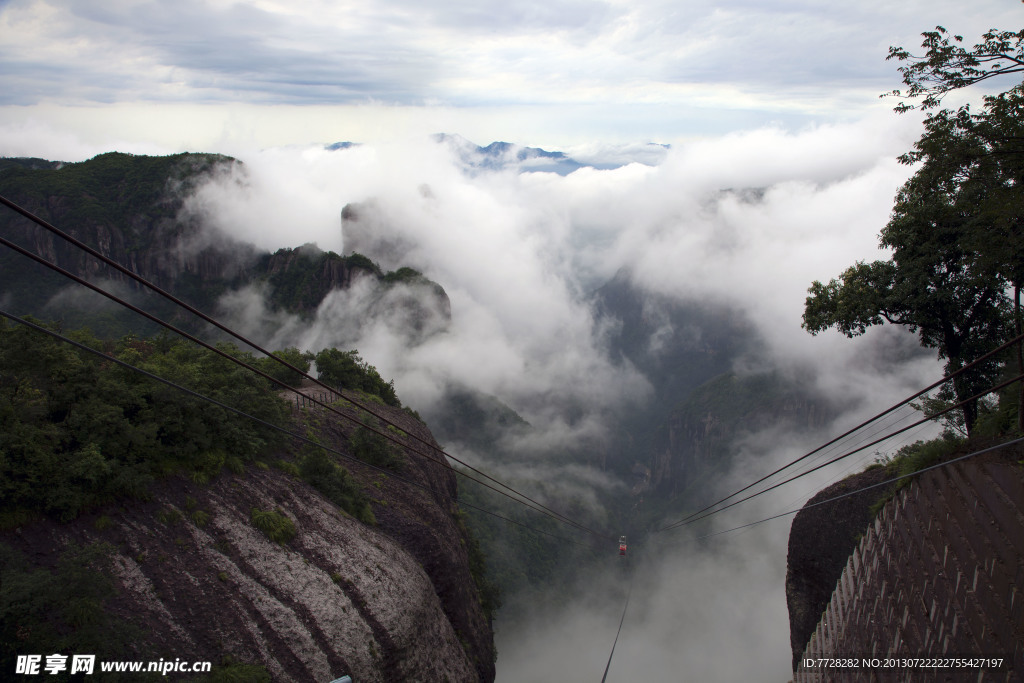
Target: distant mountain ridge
<point x="132" y="209"/>
<point x="501" y="156"/>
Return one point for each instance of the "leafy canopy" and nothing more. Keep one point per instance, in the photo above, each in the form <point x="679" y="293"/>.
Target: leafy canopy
<point x="948" y="66"/>
<point x="76" y="431"/>
<point x="347" y="370"/>
<point x="954" y="232"/>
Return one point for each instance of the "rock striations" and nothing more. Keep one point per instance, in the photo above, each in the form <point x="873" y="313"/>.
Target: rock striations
<point x="939" y="575"/>
<point x="194" y="576"/>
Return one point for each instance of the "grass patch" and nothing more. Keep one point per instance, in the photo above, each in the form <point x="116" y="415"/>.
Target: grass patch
<point x="375" y="449"/>
<point x="912" y="458"/>
<point x="232" y="671"/>
<point x="169" y="516"/>
<point x="336" y="484"/>
<point x="274" y="524"/>
<point x="288" y="467"/>
<point x="199" y="517"/>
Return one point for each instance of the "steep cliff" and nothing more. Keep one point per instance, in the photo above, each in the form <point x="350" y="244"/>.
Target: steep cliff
<point x="936" y="575"/>
<point x="820" y="542"/>
<point x="192" y="576"/>
<point x="699" y="434"/>
<point x="134" y="210"/>
<point x="179" y="566"/>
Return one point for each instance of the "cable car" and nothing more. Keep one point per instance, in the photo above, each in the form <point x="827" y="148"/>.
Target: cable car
<point x="622" y="545"/>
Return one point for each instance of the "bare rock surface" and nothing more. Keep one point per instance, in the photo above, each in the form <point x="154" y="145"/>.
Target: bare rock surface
<point x="393" y="601"/>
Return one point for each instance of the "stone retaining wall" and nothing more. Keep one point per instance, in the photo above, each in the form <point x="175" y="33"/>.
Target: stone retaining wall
<point x="940" y="573"/>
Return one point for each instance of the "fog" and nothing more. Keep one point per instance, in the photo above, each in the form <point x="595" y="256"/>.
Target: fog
<point x="745" y="221"/>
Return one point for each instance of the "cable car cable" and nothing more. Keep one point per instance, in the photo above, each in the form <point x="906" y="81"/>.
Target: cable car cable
<point x="430" y="458"/>
<point x="845" y="455"/>
<point x="155" y="288"/>
<point x="866" y="488"/>
<point x="611" y="654"/>
<point x="945" y="379"/>
<point x="273" y="426"/>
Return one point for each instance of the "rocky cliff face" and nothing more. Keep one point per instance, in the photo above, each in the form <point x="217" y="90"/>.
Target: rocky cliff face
<point x="194" y="578"/>
<point x="133" y="210"/>
<point x="128" y="208"/>
<point x="937" y="574"/>
<point x="700" y="432"/>
<point x="820" y="542"/>
<point x="190" y="574"/>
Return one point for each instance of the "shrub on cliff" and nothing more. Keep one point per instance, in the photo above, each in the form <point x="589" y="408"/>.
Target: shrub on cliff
<point x="77" y="431"/>
<point x="346" y="370"/>
<point x="335" y="483"/>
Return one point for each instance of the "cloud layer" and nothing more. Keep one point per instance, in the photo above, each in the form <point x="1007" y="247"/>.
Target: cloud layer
<point x="659" y="68"/>
<point x="746" y="221"/>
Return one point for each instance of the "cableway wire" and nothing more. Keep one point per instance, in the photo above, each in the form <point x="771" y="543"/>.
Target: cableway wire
<point x="430" y="458"/>
<point x="167" y="295"/>
<point x="1014" y="442"/>
<point x="844" y="455"/>
<point x="945" y="379"/>
<point x="275" y="427"/>
<point x="889" y="422"/>
<point x="854" y="465"/>
<point x="625" y="607"/>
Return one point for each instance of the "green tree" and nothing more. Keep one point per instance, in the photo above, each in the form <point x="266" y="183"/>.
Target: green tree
<point x="955" y="234"/>
<point x="933" y="284"/>
<point x="345" y="369"/>
<point x="978" y="159"/>
<point x="946" y="65"/>
<point x="986" y="149"/>
<point x="280" y="372"/>
<point x="77" y="431"/>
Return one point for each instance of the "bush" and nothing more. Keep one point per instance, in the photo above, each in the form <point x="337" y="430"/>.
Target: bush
<point x="281" y="373"/>
<point x="375" y="449"/>
<point x="335" y="483"/>
<point x="346" y="370"/>
<point x="277" y="526"/>
<point x="77" y="430"/>
<point x="60" y="610"/>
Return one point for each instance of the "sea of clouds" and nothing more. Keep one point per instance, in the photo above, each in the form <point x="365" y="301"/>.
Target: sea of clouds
<point x="745" y="221"/>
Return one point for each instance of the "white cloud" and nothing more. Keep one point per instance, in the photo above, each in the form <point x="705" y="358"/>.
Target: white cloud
<point x="632" y="70"/>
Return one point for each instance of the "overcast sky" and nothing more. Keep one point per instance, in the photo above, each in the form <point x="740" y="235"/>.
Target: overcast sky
<point x="145" y="75"/>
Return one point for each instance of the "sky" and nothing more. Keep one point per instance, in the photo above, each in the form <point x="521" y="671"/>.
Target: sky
<point x="781" y="169"/>
<point x="82" y="76"/>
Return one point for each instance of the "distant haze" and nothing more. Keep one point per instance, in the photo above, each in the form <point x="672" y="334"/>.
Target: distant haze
<point x="745" y="221"/>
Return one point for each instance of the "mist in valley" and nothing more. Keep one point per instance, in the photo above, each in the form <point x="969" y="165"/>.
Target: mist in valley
<point x="741" y="224"/>
<point x="589" y="296"/>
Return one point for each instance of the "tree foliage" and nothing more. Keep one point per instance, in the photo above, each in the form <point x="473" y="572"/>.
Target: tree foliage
<point x="347" y="370"/>
<point x="336" y="484"/>
<point x="281" y="373"/>
<point x="946" y="65"/>
<point x="76" y="431"/>
<point x="60" y="609"/>
<point x="955" y="230"/>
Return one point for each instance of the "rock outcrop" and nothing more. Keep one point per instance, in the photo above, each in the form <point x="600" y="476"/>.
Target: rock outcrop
<point x="197" y="580"/>
<point x="134" y="210"/>
<point x="820" y="542"/>
<point x="700" y="433"/>
<point x="937" y="575"/>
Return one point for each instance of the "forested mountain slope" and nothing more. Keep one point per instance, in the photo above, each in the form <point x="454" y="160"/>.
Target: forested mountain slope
<point x="131" y="509"/>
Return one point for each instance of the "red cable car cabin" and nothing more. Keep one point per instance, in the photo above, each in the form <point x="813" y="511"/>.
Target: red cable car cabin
<point x="622" y="545"/>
